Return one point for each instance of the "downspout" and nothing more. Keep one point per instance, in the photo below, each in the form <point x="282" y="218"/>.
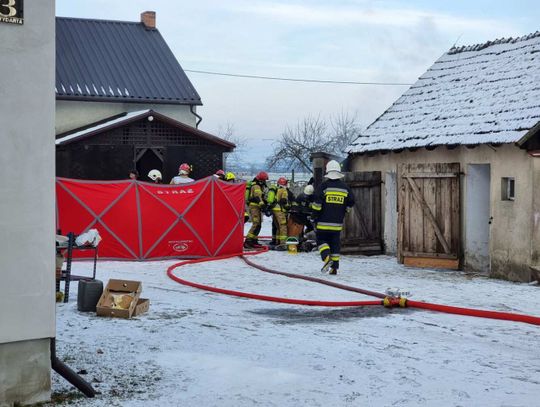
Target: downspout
<point x="199" y="118"/>
<point x="67" y="373"/>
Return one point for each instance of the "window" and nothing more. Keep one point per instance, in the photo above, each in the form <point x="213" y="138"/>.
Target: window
<point x="508" y="188"/>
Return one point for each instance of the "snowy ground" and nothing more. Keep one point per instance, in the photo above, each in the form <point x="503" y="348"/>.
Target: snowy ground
<point x="196" y="348"/>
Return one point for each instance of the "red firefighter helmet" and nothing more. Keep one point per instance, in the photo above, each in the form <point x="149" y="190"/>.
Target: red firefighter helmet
<point x="282" y="181"/>
<point x="262" y="176"/>
<point x="184" y="168"/>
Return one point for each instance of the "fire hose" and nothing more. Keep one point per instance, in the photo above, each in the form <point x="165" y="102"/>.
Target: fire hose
<point x="385" y="300"/>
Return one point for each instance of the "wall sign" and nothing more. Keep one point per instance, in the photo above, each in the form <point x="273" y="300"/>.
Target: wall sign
<point x="11" y="11"/>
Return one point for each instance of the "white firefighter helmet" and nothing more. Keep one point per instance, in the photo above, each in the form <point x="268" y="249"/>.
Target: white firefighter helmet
<point x="308" y="190"/>
<point x="154" y="175"/>
<point x="333" y="170"/>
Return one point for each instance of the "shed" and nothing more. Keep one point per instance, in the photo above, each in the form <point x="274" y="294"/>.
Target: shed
<point x="141" y="140"/>
<point x="457" y="153"/>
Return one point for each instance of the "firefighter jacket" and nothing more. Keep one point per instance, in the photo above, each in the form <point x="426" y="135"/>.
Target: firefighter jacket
<point x="333" y="199"/>
<point x="256" y="195"/>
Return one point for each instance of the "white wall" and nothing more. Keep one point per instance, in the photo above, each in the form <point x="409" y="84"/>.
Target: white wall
<point x="27" y="227"/>
<point x="73" y="114"/>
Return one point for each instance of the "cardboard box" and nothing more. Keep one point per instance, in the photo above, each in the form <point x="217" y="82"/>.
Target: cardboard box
<point x="142" y="306"/>
<point x="119" y="298"/>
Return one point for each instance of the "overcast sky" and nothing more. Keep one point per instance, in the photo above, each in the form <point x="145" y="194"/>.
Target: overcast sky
<point x="342" y="40"/>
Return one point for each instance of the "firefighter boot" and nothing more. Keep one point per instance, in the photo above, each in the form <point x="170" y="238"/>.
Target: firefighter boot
<point x="327" y="264"/>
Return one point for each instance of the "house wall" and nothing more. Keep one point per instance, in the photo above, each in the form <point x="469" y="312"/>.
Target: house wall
<point x="71" y="114"/>
<point x="27" y="226"/>
<point x="512" y="225"/>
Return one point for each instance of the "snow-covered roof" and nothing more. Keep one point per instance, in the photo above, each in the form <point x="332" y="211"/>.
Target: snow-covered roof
<point x="89" y="130"/>
<point x="485" y="93"/>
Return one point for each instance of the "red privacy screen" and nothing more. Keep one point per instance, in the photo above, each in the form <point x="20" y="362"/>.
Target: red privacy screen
<point x="139" y="220"/>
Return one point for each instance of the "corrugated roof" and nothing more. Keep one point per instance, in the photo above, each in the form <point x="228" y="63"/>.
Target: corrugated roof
<point x="104" y="60"/>
<point x="486" y="93"/>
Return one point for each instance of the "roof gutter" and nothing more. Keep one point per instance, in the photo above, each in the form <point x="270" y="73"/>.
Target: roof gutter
<point x="199" y="118"/>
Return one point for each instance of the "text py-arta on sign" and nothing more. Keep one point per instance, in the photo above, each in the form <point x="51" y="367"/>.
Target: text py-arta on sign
<point x="11" y="11"/>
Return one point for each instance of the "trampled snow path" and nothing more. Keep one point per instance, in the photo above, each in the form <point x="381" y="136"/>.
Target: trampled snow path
<point x="195" y="348"/>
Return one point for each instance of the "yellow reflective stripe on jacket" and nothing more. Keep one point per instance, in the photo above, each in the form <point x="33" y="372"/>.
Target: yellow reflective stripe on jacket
<point x="316" y="206"/>
<point x="336" y="190"/>
<point x="336" y="193"/>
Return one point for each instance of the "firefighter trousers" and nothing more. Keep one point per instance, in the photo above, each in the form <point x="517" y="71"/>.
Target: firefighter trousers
<point x="329" y="243"/>
<point x="256" y="222"/>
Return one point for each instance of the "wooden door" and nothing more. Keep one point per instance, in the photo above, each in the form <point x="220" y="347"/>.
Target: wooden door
<point x="362" y="229"/>
<point x="429" y="215"/>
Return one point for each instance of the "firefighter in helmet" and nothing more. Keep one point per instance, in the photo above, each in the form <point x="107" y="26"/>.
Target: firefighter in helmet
<point x="255" y="192"/>
<point x="299" y="217"/>
<point x="279" y="200"/>
<point x="183" y="175"/>
<point x="332" y="200"/>
<point x="220" y="174"/>
<point x="230" y="177"/>
<point x="155" y="176"/>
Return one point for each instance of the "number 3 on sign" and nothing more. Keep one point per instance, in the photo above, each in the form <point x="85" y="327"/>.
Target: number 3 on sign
<point x="10" y="5"/>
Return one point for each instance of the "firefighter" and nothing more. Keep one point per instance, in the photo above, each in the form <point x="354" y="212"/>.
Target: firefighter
<point x="279" y="202"/>
<point x="220" y="174"/>
<point x="301" y="207"/>
<point x="299" y="216"/>
<point x="333" y="198"/>
<point x="230" y="177"/>
<point x="255" y="193"/>
<point x="270" y="201"/>
<point x="183" y="175"/>
<point x="155" y="175"/>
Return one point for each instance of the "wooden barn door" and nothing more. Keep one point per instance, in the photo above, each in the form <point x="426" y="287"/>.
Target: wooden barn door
<point x="429" y="215"/>
<point x="362" y="230"/>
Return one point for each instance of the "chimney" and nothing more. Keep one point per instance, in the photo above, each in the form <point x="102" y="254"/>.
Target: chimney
<point x="148" y="18"/>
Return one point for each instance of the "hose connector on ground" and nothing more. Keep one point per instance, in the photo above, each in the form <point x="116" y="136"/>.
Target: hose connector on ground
<point x="391" y="302"/>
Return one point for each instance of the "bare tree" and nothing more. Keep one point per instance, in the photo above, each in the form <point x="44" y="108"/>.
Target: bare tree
<point x="227" y="133"/>
<point x="345" y="129"/>
<point x="297" y="144"/>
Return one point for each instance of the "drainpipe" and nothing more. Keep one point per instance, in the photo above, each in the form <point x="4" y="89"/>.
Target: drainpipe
<point x="199" y="118"/>
<point x="67" y="373"/>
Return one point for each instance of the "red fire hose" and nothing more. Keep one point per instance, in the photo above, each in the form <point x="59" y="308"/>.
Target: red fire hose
<point x="258" y="296"/>
<point x="507" y="316"/>
<point x="386" y="300"/>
